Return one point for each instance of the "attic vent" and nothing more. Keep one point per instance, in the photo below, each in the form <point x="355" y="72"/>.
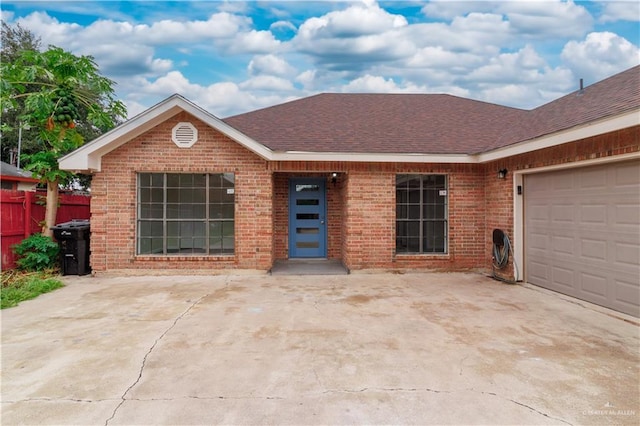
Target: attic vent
<point x="184" y="135"/>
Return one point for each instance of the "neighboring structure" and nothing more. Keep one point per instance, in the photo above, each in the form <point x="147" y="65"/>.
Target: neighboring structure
<point x="15" y="179"/>
<point x="380" y="182"/>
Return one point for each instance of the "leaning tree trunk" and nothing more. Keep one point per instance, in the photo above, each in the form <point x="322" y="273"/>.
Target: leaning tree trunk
<point x="51" y="209"/>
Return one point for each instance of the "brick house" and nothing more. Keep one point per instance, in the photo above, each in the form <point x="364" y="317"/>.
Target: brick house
<point x="379" y="182"/>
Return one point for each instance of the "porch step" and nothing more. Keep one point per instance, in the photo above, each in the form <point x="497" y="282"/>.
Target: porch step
<point x="308" y="267"/>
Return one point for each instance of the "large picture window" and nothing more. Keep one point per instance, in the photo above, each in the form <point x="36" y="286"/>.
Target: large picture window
<point x="186" y="213"/>
<point x="421" y="214"/>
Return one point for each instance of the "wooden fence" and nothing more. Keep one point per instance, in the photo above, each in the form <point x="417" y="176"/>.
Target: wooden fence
<point x="22" y="212"/>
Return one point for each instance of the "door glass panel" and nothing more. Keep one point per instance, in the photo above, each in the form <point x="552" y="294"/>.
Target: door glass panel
<point x="306" y="216"/>
<point x="307" y="188"/>
<point x="307" y="244"/>
<point x="307" y="230"/>
<point x="308" y="202"/>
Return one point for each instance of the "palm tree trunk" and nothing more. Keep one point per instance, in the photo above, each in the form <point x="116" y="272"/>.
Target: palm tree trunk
<point x="51" y="209"/>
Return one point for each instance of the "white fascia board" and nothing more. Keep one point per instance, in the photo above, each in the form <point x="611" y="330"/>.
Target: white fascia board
<point x="372" y="158"/>
<point x="228" y="130"/>
<point x="88" y="157"/>
<point x="595" y="128"/>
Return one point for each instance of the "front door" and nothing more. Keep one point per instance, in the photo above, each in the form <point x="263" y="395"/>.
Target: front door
<point x="307" y="218"/>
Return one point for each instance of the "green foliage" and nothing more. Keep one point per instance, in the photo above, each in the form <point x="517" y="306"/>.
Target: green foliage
<point x="36" y="253"/>
<point x="60" y="97"/>
<point x="20" y="286"/>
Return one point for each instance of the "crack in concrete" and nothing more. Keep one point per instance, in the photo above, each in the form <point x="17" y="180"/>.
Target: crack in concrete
<point x="527" y="406"/>
<point x="123" y="398"/>
<point x="538" y="411"/>
<point x="48" y="399"/>
<point x="210" y="398"/>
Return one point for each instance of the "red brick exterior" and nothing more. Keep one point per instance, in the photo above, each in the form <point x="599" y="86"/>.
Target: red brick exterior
<point x="499" y="192"/>
<point x="113" y="205"/>
<point x="360" y="205"/>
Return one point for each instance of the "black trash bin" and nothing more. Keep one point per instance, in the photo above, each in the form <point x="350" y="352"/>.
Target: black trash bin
<point x="73" y="240"/>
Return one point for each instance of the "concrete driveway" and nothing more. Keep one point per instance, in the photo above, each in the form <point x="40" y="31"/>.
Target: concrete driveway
<point x="357" y="349"/>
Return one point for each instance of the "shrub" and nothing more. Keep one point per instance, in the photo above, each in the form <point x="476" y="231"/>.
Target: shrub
<point x="37" y="253"/>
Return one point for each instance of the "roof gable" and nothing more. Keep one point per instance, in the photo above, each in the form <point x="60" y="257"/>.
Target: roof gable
<point x="89" y="156"/>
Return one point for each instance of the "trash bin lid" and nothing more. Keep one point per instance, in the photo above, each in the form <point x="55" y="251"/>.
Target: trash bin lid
<point x="75" y="223"/>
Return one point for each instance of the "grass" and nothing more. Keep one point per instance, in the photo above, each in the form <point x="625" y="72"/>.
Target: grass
<point x="18" y="286"/>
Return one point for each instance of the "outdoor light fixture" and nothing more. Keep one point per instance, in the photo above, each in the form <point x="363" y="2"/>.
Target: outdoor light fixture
<point x="502" y="173"/>
<point x="334" y="178"/>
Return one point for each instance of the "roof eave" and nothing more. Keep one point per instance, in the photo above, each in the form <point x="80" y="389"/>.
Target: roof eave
<point x="594" y="128"/>
<point x="362" y="157"/>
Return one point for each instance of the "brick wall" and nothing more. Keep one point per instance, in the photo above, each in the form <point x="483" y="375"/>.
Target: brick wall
<point x="360" y="207"/>
<point x="113" y="206"/>
<point x="499" y="192"/>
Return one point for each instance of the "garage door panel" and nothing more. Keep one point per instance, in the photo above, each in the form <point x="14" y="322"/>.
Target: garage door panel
<point x="564" y="278"/>
<point x="627" y="254"/>
<point x="582" y="233"/>
<point x="591" y="214"/>
<point x="626" y="295"/>
<point x="562" y="245"/>
<point x="562" y="213"/>
<point x="627" y="175"/>
<point x="626" y="214"/>
<point x="593" y="249"/>
<point x="594" y="285"/>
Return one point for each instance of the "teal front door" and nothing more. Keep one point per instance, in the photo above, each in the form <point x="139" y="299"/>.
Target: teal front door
<point x="307" y="218"/>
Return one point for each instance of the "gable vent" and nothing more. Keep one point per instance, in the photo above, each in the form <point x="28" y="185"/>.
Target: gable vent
<point x="184" y="135"/>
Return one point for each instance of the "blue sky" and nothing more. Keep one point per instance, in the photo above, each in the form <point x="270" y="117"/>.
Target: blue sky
<point x="231" y="57"/>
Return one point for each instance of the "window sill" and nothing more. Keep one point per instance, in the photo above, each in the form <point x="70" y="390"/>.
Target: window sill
<point x="418" y="256"/>
<point x="183" y="258"/>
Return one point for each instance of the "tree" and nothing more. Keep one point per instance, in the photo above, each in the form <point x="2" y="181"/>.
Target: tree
<point x="15" y="39"/>
<point x="55" y="90"/>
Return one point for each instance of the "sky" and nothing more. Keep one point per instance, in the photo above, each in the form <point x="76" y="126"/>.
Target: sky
<point x="231" y="57"/>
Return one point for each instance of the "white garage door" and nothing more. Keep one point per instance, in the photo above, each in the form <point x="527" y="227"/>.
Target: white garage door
<point x="582" y="233"/>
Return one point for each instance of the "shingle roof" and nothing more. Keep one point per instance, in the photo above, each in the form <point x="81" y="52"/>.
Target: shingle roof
<point x="612" y="96"/>
<point x="427" y="123"/>
<point x="7" y="169"/>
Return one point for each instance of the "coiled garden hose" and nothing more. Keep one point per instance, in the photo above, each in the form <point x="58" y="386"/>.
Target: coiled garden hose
<point x="501" y="259"/>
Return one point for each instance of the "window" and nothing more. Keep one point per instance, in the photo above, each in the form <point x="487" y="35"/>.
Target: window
<point x="421" y="214"/>
<point x="186" y="213"/>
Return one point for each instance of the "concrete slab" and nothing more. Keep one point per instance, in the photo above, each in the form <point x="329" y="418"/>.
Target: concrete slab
<point x="309" y="267"/>
<point x="354" y="349"/>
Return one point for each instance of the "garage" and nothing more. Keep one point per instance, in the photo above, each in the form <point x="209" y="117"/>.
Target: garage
<point x="582" y="233"/>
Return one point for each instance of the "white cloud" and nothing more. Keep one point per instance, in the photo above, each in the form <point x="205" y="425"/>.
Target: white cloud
<point x="522" y="66"/>
<point x="547" y="19"/>
<point x="371" y="84"/>
<point x="270" y="64"/>
<point x="359" y="32"/>
<point x="620" y="11"/>
<point x="253" y="42"/>
<point x="282" y="26"/>
<point x="447" y="9"/>
<point x="356" y="20"/>
<point x="267" y="82"/>
<point x="600" y="55"/>
<point x="307" y="79"/>
<point x="536" y="19"/>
